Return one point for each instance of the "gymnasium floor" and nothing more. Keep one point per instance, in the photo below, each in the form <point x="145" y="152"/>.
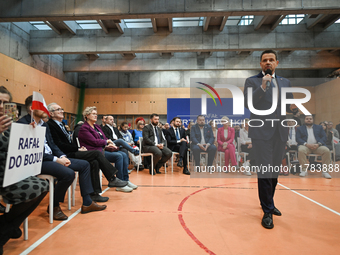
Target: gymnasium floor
<point x="175" y="214"/>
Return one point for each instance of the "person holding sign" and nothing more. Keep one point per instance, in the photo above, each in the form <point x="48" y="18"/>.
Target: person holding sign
<point x="56" y="163"/>
<point x="25" y="195"/>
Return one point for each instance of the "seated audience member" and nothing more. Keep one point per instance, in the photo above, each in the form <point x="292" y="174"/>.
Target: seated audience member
<point x="25" y="195"/>
<point x="311" y="138"/>
<point x="138" y="132"/>
<point x="76" y="131"/>
<point x="154" y="142"/>
<point x="187" y="132"/>
<point x="104" y="121"/>
<point x="292" y="143"/>
<point x="166" y="126"/>
<point x="338" y="128"/>
<point x="92" y="137"/>
<point x="323" y="125"/>
<point x="296" y="117"/>
<point x="237" y="132"/>
<point x="128" y="138"/>
<point x="331" y="129"/>
<point x="247" y="146"/>
<point x="225" y="140"/>
<point x="214" y="129"/>
<point x="178" y="143"/>
<point x="96" y="159"/>
<point x="202" y="139"/>
<point x="56" y="163"/>
<point x="115" y="136"/>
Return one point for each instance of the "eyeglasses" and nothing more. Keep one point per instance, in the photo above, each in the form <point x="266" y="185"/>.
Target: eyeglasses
<point x="58" y="110"/>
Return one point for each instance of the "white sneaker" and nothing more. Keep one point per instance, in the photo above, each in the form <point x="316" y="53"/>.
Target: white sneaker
<point x="303" y="174"/>
<point x="131" y="185"/>
<point x="124" y="189"/>
<point x="326" y="175"/>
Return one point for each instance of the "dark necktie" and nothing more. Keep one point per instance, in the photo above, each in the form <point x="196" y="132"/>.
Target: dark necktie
<point x="65" y="132"/>
<point x="177" y="134"/>
<point x="157" y="135"/>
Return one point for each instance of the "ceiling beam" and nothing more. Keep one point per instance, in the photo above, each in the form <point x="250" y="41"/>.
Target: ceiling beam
<point x="103" y="26"/>
<point x="170" y="24"/>
<point x="53" y="27"/>
<point x="224" y="21"/>
<point x="41" y="10"/>
<point x="331" y="21"/>
<point x="71" y="26"/>
<point x="206" y="23"/>
<point x="258" y="21"/>
<point x="154" y="25"/>
<point x="192" y="61"/>
<point x="193" y="39"/>
<point x="311" y="22"/>
<point x="277" y="22"/>
<point x="121" y="26"/>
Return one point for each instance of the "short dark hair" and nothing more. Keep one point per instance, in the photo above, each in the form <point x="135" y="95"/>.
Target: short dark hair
<point x="123" y="123"/>
<point x="176" y="118"/>
<point x="28" y="102"/>
<point x="200" y="116"/>
<point x="153" y="115"/>
<point x="268" y="52"/>
<point x="309" y="116"/>
<point x="4" y="90"/>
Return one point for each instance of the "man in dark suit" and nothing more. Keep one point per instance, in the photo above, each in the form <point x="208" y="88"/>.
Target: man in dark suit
<point x="202" y="138"/>
<point x="56" y="163"/>
<point x="178" y="143"/>
<point x="269" y="139"/>
<point x="154" y="142"/>
<point x="96" y="159"/>
<point x="116" y="137"/>
<point x="312" y="138"/>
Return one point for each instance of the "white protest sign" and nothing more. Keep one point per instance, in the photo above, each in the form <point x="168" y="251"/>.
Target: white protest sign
<point x="25" y="153"/>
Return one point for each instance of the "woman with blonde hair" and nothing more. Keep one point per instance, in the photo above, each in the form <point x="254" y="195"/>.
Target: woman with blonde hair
<point x="225" y="139"/>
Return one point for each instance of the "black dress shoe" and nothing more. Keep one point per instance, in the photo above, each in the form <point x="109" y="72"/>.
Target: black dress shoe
<point x="98" y="198"/>
<point x="186" y="171"/>
<point x="267" y="221"/>
<point x="276" y="212"/>
<point x="16" y="233"/>
<point x="180" y="163"/>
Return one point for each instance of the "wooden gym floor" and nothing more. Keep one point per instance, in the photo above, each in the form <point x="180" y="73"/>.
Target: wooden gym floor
<point x="176" y="214"/>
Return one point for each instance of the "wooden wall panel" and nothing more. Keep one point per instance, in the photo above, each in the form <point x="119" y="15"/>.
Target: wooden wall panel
<point x="23" y="80"/>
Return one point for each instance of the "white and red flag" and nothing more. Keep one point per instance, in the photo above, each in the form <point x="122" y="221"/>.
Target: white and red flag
<point x="38" y="103"/>
<point x="336" y="140"/>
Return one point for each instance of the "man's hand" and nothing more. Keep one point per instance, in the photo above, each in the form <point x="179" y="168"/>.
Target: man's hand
<point x="64" y="161"/>
<point x="266" y="78"/>
<point x="250" y="146"/>
<point x="160" y="146"/>
<point x="183" y="140"/>
<point x="82" y="148"/>
<point x="202" y="147"/>
<point x="5" y="122"/>
<point x="111" y="145"/>
<point x="108" y="142"/>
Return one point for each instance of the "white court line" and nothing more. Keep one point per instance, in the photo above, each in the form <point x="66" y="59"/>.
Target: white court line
<point x="52" y="231"/>
<point x="329" y="209"/>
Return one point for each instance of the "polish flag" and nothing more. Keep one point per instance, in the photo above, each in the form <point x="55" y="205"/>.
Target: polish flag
<point x="38" y="103"/>
<point x="336" y="140"/>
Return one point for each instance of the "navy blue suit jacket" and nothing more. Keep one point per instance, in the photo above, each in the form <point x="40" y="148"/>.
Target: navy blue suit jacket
<point x="263" y="101"/>
<point x="172" y="139"/>
<point x="195" y="134"/>
<point x="55" y="150"/>
<point x="319" y="133"/>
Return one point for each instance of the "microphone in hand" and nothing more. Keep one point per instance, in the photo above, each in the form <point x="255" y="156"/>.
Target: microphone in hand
<point x="268" y="71"/>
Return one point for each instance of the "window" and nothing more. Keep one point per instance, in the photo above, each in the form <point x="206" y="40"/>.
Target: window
<point x="40" y="25"/>
<point x="88" y="24"/>
<point x="138" y="23"/>
<point x="246" y="20"/>
<point x="188" y="22"/>
<point x="292" y="19"/>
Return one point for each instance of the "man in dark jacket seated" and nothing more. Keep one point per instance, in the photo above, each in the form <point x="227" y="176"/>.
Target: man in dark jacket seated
<point x="96" y="159"/>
